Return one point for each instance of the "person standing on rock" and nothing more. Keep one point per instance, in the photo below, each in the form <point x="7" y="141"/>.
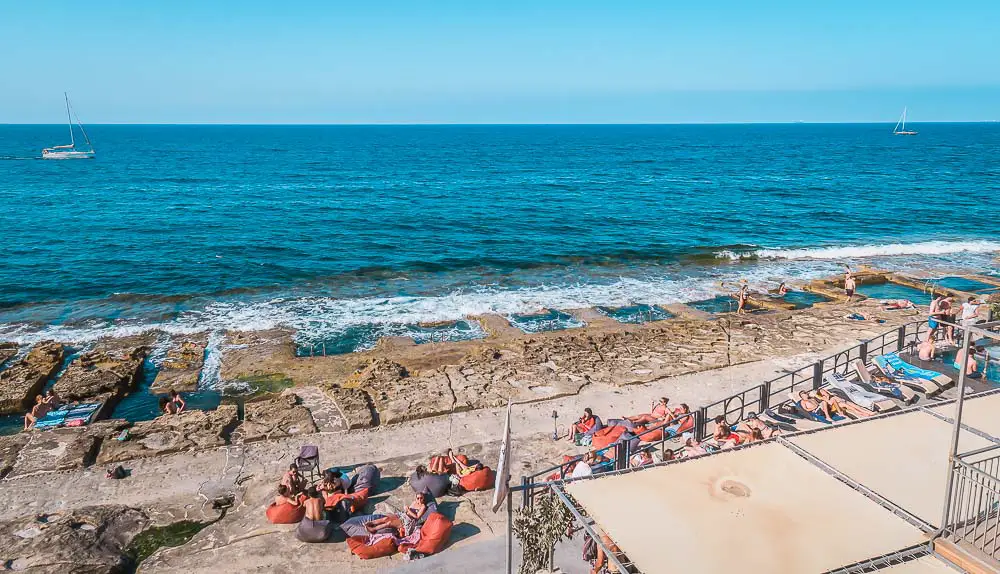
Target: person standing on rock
<point x="179" y="403"/>
<point x="850" y="285"/>
<point x="743" y="296"/>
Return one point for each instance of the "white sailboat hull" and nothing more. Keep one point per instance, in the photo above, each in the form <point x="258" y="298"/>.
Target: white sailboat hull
<point x="53" y="154"/>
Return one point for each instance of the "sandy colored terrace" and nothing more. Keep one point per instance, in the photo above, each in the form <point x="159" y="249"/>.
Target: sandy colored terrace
<point x="417" y="400"/>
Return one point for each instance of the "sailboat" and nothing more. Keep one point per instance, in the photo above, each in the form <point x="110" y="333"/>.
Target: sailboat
<point x="900" y="129"/>
<point x="69" y="151"/>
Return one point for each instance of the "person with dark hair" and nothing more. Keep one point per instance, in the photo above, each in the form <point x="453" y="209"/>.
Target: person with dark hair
<point x="285" y="496"/>
<point x="585" y="426"/>
<point x="742" y="297"/>
<point x="850" y="285"/>
<point x="966" y="360"/>
<point x="313" y="527"/>
<point x="52" y="399"/>
<point x="436" y="484"/>
<point x="406" y="520"/>
<point x="332" y="483"/>
<point x="293" y="479"/>
<point x="179" y="403"/>
<point x="168" y="406"/>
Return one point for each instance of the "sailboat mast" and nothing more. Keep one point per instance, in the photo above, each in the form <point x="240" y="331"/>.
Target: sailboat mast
<point x="69" y="120"/>
<point x="904" y="118"/>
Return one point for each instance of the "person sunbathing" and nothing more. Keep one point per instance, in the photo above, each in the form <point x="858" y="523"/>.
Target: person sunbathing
<point x="642" y="458"/>
<point x="38" y="411"/>
<point x="693" y="448"/>
<point x="586" y="425"/>
<point x="839" y="406"/>
<point x="752" y="423"/>
<point x="678" y="418"/>
<point x="724" y="435"/>
<point x="294" y="480"/>
<point x="659" y="412"/>
<point x="897" y="304"/>
<point x="53" y="400"/>
<point x="404" y="521"/>
<point x="462" y="469"/>
<point x="285" y="496"/>
<point x="818" y="409"/>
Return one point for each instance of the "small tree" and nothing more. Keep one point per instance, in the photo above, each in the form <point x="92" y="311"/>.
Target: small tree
<point x="538" y="529"/>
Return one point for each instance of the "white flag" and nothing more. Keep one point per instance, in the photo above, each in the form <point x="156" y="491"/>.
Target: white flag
<point x="502" y="486"/>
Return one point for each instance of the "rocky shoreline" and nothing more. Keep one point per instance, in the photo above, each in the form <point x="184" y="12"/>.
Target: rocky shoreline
<point x="378" y="395"/>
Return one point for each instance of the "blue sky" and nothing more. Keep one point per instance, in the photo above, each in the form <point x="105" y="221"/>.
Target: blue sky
<point x="499" y="62"/>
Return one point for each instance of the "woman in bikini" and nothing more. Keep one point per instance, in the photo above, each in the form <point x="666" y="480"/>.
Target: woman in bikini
<point x="38" y="411"/>
<point x="841" y="407"/>
<point x="724" y="435"/>
<point x="462" y="469"/>
<point x="405" y="520"/>
<point x="659" y="412"/>
<point x="816" y="408"/>
<point x="588" y="424"/>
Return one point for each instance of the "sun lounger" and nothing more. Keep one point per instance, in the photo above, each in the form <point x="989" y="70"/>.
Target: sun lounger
<point x="803" y="414"/>
<point x="893" y="390"/>
<point x="858" y="395"/>
<point x="906" y="374"/>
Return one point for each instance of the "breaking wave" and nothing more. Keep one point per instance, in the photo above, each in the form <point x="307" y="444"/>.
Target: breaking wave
<point x="865" y="251"/>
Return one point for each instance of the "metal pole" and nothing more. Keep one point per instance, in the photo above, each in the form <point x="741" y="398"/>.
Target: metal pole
<point x="509" y="562"/>
<point x="956" y="429"/>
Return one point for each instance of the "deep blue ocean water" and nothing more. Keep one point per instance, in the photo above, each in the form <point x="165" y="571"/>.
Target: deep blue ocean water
<point x="371" y="229"/>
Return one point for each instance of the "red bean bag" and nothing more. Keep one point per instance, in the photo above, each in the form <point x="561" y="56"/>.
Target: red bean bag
<point x="359" y="499"/>
<point x="606" y="436"/>
<point x="433" y="535"/>
<point x="481" y="479"/>
<point x="359" y="547"/>
<point x="284" y="513"/>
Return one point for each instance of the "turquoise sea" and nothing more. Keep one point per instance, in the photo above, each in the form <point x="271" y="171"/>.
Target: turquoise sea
<point x="346" y="233"/>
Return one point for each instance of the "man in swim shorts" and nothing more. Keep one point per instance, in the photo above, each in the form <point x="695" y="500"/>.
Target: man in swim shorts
<point x="850" y="284"/>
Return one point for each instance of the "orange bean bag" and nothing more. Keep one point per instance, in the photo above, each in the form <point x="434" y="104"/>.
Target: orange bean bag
<point x="440" y="465"/>
<point x="650" y="435"/>
<point x="606" y="436"/>
<point x="686" y="425"/>
<point x="433" y="535"/>
<point x="359" y="498"/>
<point x="284" y="513"/>
<point x="358" y="547"/>
<point x="481" y="479"/>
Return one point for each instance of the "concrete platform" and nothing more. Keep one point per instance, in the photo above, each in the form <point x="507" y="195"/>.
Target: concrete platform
<point x="760" y="509"/>
<point x="978" y="413"/>
<point x="903" y="458"/>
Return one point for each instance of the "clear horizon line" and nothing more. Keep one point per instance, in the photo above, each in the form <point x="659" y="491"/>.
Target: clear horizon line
<point x="459" y="124"/>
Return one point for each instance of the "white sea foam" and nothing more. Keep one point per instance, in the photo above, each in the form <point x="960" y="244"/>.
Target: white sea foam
<point x="317" y="317"/>
<point x="886" y="250"/>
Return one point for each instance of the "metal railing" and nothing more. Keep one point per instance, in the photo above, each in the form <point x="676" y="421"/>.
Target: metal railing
<point x="974" y="513"/>
<point x="737" y="407"/>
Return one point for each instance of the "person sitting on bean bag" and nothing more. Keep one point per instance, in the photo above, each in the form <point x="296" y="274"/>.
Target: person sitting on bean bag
<point x="286" y="509"/>
<point x="405" y="521"/>
<point x="313" y="527"/>
<point x="581" y="431"/>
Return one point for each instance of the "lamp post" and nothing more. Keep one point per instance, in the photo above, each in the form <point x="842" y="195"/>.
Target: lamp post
<point x="555" y="426"/>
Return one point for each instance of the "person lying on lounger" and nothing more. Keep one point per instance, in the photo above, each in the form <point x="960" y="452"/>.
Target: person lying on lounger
<point x="752" y="423"/>
<point x="38" y="411"/>
<point x="724" y="435"/>
<point x="586" y="425"/>
<point x="693" y="448"/>
<point x="294" y="480"/>
<point x="659" y="412"/>
<point x="818" y="409"/>
<point x="405" y="521"/>
<point x="641" y="458"/>
<point x="839" y="406"/>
